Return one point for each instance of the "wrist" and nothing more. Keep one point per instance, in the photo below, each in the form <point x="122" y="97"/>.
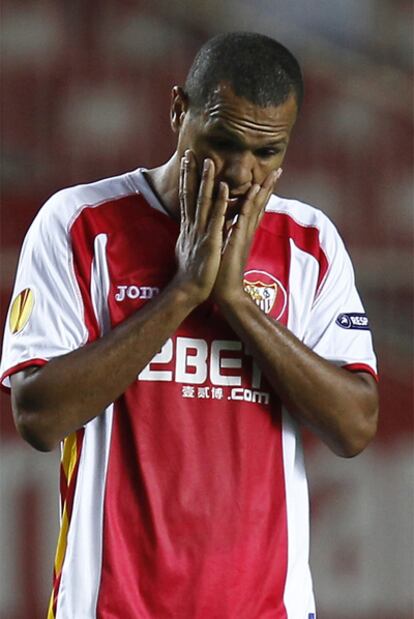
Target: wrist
<point x="232" y="299"/>
<point x="186" y="294"/>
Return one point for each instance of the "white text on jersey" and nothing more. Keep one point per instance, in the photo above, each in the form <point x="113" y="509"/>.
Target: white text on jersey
<point x="193" y="365"/>
<point x="136" y="292"/>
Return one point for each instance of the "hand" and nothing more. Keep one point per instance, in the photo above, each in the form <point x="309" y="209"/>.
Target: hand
<point x="199" y="245"/>
<point x="229" y="283"/>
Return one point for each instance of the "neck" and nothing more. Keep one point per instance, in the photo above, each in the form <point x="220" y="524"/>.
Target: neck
<point x="164" y="182"/>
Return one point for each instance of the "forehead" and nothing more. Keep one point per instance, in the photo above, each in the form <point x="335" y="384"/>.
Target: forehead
<point x="225" y="110"/>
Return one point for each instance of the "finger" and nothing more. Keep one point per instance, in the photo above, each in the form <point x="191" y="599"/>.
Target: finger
<point x="218" y="212"/>
<point x="181" y="195"/>
<point x="247" y="209"/>
<point x="271" y="179"/>
<point x="254" y="208"/>
<point x="267" y="188"/>
<point x="255" y="203"/>
<point x="188" y="185"/>
<point x="263" y="196"/>
<point x="205" y="195"/>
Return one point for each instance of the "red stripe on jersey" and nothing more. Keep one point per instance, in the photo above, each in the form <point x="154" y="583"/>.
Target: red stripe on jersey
<point x="82" y="249"/>
<point x="306" y="238"/>
<point x="72" y="483"/>
<point x="55" y="591"/>
<point x="67" y="488"/>
<point x="18" y="368"/>
<point x="63" y="487"/>
<point x="361" y="367"/>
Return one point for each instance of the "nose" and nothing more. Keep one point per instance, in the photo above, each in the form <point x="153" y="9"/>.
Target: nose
<point x="237" y="171"/>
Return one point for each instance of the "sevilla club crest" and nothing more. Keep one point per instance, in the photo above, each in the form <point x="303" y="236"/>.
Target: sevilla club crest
<point x="266" y="291"/>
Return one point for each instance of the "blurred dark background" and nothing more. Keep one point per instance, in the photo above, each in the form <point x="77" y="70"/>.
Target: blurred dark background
<point x="85" y="92"/>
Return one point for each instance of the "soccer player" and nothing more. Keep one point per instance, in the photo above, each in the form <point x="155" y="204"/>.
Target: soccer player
<point x="174" y="328"/>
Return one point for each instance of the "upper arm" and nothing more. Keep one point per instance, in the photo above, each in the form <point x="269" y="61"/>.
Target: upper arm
<point x="45" y="318"/>
<point x="20" y="383"/>
<point x="337" y="327"/>
<point x="371" y="390"/>
<point x="18" y="380"/>
<point x="25" y="413"/>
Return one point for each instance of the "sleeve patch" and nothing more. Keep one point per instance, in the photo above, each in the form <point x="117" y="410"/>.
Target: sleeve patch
<point x="355" y="320"/>
<point x="21" y="310"/>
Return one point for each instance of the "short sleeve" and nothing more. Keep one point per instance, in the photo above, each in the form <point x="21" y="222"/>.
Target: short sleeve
<point x="45" y="317"/>
<point x="338" y="328"/>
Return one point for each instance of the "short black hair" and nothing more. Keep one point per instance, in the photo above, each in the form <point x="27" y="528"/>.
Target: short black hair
<point x="257" y="68"/>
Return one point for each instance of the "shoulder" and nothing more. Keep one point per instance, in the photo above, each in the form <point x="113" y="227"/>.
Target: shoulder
<point x="61" y="210"/>
<point x="303" y="223"/>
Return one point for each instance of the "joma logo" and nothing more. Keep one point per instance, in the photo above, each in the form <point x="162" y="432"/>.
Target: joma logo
<point x="136" y="292"/>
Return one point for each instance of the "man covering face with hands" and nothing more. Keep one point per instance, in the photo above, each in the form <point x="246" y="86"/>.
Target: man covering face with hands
<point x="174" y="328"/>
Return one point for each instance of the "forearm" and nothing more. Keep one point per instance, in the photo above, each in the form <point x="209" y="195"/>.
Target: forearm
<point x="338" y="405"/>
<point x="61" y="396"/>
<point x="50" y="402"/>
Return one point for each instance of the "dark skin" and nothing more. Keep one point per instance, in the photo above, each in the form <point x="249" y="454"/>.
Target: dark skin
<point x="227" y="162"/>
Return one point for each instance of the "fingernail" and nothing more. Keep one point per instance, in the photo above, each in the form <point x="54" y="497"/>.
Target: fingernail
<point x="223" y="187"/>
<point x="255" y="189"/>
<point x="279" y="173"/>
<point x="206" y="164"/>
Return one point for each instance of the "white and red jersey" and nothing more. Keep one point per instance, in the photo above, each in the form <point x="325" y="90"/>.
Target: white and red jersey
<point x="187" y="497"/>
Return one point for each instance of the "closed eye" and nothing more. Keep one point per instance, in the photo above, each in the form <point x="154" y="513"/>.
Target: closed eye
<point x="267" y="153"/>
<point x="222" y="144"/>
<point x="227" y="144"/>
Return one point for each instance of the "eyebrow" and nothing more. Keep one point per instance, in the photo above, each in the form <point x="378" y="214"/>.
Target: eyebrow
<point x="220" y="130"/>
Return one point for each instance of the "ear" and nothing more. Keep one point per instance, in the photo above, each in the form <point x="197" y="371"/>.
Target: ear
<point x="179" y="107"/>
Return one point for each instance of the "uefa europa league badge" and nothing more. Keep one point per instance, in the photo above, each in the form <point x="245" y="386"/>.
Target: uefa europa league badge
<point x="21" y="310"/>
